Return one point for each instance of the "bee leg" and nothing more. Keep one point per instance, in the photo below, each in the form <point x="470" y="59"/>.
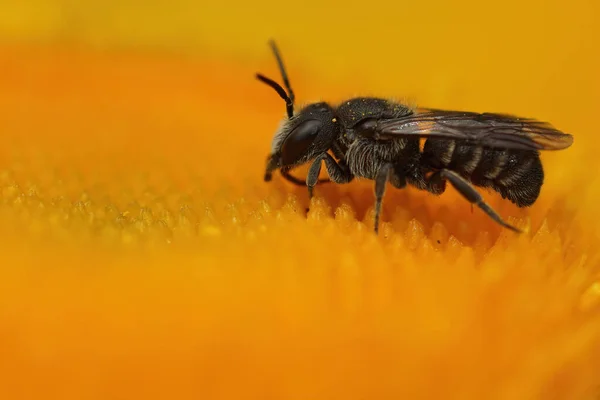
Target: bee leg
<point x="338" y="173"/>
<point x="470" y="193"/>
<point x="384" y="174"/>
<point x="297" y="181"/>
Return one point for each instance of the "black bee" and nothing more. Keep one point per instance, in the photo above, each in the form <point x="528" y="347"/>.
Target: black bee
<point x="378" y="139"/>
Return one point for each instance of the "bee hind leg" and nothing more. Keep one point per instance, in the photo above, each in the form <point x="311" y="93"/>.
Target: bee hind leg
<point x="468" y="191"/>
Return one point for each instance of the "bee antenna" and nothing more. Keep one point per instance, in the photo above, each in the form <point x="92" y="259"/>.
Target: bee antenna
<point x="284" y="76"/>
<point x="288" y="95"/>
<point x="289" y="105"/>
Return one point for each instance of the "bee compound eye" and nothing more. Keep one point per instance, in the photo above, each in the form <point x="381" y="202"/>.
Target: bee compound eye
<point x="299" y="140"/>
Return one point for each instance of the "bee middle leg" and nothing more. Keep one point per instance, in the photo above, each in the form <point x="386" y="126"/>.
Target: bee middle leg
<point x="338" y="173"/>
<point x="386" y="173"/>
<point x="436" y="185"/>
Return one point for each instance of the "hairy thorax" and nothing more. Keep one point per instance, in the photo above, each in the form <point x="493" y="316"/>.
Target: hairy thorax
<point x="366" y="156"/>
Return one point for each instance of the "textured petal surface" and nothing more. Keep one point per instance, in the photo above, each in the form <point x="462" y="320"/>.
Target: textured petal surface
<point x="144" y="257"/>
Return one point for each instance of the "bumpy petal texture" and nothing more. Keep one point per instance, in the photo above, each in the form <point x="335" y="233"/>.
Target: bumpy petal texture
<point x="143" y="256"/>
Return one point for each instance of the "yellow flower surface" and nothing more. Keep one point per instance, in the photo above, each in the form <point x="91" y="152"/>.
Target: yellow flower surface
<point x="143" y="256"/>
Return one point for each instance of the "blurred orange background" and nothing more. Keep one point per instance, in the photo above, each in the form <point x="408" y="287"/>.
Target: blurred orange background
<point x="144" y="257"/>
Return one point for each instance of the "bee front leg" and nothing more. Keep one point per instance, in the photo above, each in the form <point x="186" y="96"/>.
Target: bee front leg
<point x="339" y="173"/>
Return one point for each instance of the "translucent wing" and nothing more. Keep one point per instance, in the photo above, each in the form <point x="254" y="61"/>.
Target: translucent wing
<point x="487" y="129"/>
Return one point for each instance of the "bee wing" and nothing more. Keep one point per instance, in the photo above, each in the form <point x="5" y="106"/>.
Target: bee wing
<point x="487" y="129"/>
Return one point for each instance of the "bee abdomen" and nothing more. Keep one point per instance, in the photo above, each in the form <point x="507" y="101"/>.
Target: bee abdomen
<point x="453" y="155"/>
<point x="517" y="175"/>
<point x="521" y="178"/>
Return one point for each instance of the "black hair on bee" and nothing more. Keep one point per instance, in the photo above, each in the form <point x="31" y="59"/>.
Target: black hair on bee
<point x="379" y="139"/>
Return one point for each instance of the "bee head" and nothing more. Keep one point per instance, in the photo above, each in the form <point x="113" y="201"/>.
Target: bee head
<point x="302" y="136"/>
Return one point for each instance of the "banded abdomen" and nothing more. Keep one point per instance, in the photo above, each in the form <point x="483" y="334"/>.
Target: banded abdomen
<point x="516" y="174"/>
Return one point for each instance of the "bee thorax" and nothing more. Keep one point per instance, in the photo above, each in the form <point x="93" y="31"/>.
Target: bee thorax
<point x="365" y="157"/>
